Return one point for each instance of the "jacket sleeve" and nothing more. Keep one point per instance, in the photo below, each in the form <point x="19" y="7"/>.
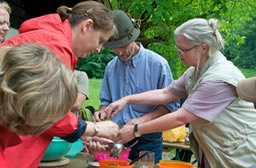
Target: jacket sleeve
<point x="70" y="128"/>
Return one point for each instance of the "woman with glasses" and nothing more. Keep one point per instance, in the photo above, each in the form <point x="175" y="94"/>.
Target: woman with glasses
<point x="71" y="32"/>
<point x="223" y="125"/>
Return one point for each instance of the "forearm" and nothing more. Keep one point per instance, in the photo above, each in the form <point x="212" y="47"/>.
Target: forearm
<point x="89" y="129"/>
<point x="166" y="122"/>
<point x="153" y="97"/>
<point x="79" y="102"/>
<point x="159" y="111"/>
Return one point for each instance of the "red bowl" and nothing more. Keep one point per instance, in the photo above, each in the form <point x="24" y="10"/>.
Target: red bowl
<point x="115" y="163"/>
<point x="174" y="164"/>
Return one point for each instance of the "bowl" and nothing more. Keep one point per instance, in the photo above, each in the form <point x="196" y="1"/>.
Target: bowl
<point x="93" y="164"/>
<point x="98" y="156"/>
<point x="114" y="163"/>
<point x="76" y="147"/>
<point x="174" y="164"/>
<point x="56" y="149"/>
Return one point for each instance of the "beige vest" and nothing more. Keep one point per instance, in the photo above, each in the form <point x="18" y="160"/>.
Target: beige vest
<point x="230" y="140"/>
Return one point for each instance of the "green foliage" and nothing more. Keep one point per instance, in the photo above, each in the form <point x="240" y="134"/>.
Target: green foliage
<point x="95" y="63"/>
<point x="243" y="55"/>
<point x="160" y="18"/>
<point x="248" y="72"/>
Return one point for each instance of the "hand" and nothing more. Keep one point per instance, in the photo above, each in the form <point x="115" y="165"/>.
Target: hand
<point x="107" y="129"/>
<point x="126" y="134"/>
<point x="115" y="107"/>
<point x="94" y="144"/>
<point x="100" y="116"/>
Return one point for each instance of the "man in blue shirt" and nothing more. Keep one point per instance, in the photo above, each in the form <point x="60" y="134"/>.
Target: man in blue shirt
<point x="134" y="70"/>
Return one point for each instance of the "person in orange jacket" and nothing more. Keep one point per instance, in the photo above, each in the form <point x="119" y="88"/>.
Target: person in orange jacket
<point x="72" y="32"/>
<point x="25" y="107"/>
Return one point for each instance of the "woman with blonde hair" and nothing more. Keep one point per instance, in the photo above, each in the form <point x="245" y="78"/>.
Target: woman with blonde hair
<point x="30" y="78"/>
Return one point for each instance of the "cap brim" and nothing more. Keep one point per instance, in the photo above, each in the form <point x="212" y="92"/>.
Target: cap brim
<point x="246" y="89"/>
<point x="124" y="41"/>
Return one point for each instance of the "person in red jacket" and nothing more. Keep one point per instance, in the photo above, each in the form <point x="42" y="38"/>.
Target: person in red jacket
<point x="25" y="107"/>
<point x="72" y="32"/>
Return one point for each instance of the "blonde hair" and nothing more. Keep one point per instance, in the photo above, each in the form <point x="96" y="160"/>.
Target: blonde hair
<point x="5" y="5"/>
<point x="36" y="89"/>
<point x="103" y="18"/>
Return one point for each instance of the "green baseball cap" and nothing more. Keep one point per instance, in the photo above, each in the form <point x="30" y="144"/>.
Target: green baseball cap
<point x="127" y="33"/>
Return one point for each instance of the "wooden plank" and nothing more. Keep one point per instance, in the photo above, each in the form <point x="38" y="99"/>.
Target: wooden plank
<point x="176" y="145"/>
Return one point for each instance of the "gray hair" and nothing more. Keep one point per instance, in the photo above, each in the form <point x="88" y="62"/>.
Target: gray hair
<point x="199" y="31"/>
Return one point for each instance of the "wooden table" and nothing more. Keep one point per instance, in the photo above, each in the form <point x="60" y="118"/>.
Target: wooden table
<point x="178" y="146"/>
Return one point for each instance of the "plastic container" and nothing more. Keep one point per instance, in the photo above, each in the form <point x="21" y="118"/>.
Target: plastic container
<point x="105" y="155"/>
<point x="76" y="147"/>
<point x="175" y="164"/>
<point x="56" y="149"/>
<point x="114" y="163"/>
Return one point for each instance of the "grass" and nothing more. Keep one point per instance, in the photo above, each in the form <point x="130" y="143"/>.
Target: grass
<point x="95" y="84"/>
<point x="94" y="91"/>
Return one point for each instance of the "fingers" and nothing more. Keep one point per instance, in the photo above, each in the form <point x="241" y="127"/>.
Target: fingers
<point x="111" y="111"/>
<point x="94" y="146"/>
<point x="100" y="116"/>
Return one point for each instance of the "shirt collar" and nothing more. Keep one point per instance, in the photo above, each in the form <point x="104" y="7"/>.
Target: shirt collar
<point x="136" y="58"/>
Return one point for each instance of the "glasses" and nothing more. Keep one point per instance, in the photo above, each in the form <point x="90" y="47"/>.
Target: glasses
<point x="182" y="52"/>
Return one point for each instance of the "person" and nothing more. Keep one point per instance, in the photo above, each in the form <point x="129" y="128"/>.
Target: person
<point x="223" y="125"/>
<point x="83" y="89"/>
<point x="31" y="76"/>
<point x="5" y="12"/>
<point x="135" y="69"/>
<point x="84" y="112"/>
<point x="246" y="89"/>
<point x="70" y="32"/>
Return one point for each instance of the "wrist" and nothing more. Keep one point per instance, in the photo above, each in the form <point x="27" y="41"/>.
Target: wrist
<point x="92" y="129"/>
<point x="96" y="129"/>
<point x="126" y="99"/>
<point x="136" y="130"/>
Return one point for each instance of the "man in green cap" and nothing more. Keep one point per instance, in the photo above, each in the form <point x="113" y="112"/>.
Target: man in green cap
<point x="135" y="69"/>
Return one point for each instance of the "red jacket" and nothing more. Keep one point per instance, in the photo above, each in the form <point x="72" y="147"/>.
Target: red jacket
<point x="7" y="139"/>
<point x="50" y="31"/>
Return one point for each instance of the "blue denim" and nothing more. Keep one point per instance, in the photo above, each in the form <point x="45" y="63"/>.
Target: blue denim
<point x="147" y="142"/>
